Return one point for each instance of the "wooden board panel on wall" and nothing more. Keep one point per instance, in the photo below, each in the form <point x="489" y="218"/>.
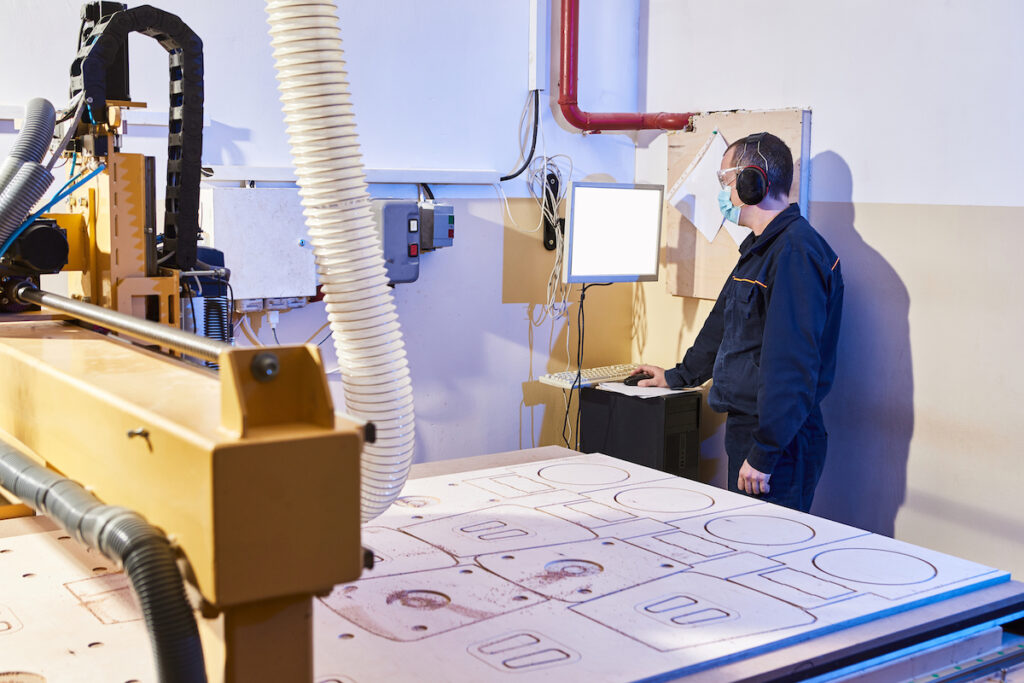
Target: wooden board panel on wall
<point x="698" y="268"/>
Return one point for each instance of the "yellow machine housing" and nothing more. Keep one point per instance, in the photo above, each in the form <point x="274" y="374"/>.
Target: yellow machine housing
<point x="256" y="482"/>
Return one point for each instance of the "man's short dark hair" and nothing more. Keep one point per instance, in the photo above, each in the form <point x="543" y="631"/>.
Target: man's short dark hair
<point x="777" y="155"/>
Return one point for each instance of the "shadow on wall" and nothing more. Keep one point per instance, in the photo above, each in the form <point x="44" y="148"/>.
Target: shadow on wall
<point x="220" y="143"/>
<point x="870" y="411"/>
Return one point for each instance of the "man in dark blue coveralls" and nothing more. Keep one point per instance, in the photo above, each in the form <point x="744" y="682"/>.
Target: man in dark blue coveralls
<point x="770" y="340"/>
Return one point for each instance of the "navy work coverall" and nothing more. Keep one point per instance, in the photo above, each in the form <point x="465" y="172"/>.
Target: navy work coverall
<point x="770" y="345"/>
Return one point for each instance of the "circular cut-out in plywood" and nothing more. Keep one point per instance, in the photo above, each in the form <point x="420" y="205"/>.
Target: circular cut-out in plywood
<point x="416" y="501"/>
<point x="663" y="499"/>
<point x="420" y="599"/>
<point x="583" y="474"/>
<point x="572" y="568"/>
<point x="875" y="566"/>
<point x="759" y="530"/>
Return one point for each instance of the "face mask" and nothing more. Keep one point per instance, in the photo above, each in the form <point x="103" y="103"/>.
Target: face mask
<point x="728" y="209"/>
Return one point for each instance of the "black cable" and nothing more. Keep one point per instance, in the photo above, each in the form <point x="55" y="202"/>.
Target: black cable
<point x="579" y="376"/>
<point x="274" y="331"/>
<point x="231" y="307"/>
<point x="565" y="419"/>
<point x="427" y="191"/>
<point x="326" y="337"/>
<point x="581" y="330"/>
<point x="533" y="143"/>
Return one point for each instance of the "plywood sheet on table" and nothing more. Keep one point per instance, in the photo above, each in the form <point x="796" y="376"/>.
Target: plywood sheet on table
<point x="578" y="568"/>
<point x="65" y="613"/>
<point x="592" y="568"/>
<point x="698" y="268"/>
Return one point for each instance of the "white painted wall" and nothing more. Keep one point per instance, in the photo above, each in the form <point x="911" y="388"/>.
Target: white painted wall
<point x="916" y="96"/>
<point x="435" y="83"/>
<point x="914" y="180"/>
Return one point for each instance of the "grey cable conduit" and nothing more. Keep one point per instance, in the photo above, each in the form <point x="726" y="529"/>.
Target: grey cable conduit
<point x="23" y="180"/>
<point x="33" y="140"/>
<point x="125" y="537"/>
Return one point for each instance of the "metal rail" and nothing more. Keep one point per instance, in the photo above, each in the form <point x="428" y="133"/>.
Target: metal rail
<point x="178" y="340"/>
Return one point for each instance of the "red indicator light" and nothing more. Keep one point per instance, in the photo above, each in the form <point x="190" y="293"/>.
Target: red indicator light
<point x="451" y="233"/>
<point x="414" y="250"/>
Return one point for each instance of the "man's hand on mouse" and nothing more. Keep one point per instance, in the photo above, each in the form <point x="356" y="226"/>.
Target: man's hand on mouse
<point x="657" y="376"/>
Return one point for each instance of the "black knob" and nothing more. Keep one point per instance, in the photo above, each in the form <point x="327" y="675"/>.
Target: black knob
<point x="265" y="366"/>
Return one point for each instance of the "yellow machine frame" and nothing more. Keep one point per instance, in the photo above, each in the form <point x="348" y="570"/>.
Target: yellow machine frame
<point x="254" y="479"/>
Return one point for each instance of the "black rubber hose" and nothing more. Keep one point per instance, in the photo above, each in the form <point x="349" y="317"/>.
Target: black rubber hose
<point x="150" y="565"/>
<point x="33" y="139"/>
<point x="123" y="536"/>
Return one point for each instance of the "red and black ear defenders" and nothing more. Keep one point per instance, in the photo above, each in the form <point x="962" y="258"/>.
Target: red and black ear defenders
<point x="752" y="182"/>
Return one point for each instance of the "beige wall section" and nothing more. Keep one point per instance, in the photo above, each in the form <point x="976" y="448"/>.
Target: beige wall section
<point x="663" y="328"/>
<point x="923" y="418"/>
<point x="925" y="411"/>
<point x="526" y="266"/>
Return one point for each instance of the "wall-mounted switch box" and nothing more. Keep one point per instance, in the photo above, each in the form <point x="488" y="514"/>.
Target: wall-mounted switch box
<point x="399" y="226"/>
<point x="408" y="229"/>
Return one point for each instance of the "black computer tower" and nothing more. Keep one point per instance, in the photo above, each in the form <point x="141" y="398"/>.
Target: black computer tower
<point x="660" y="432"/>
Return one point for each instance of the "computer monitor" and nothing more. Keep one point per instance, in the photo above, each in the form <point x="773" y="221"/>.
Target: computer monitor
<point x="614" y="232"/>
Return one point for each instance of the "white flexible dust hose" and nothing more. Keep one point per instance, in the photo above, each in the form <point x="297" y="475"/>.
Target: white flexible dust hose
<point x="321" y="130"/>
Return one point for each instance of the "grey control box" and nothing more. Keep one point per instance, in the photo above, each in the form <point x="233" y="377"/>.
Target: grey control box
<point x="409" y="228"/>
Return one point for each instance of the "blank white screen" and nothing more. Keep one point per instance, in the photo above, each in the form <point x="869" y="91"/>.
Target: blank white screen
<point x="615" y="234"/>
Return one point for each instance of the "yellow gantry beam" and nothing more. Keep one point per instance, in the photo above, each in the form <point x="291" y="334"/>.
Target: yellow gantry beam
<point x="204" y="458"/>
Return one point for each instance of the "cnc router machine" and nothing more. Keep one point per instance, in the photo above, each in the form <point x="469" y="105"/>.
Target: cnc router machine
<point x="104" y="388"/>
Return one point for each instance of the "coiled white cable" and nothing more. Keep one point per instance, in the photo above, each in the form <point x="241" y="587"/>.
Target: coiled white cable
<point x="364" y="325"/>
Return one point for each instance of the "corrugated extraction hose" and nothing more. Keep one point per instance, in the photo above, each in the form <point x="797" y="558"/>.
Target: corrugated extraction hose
<point x="364" y="324"/>
<point x="23" y="180"/>
<point x="33" y="139"/>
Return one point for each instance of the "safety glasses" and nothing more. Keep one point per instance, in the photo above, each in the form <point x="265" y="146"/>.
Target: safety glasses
<point x="723" y="174"/>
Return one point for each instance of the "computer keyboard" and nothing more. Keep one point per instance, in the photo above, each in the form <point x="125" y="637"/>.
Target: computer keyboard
<point x="589" y="377"/>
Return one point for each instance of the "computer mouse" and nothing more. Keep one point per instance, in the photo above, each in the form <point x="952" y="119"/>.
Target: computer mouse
<point x="632" y="380"/>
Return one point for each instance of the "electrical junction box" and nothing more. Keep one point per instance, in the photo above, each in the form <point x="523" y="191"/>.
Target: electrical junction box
<point x="444" y="225"/>
<point x="398" y="224"/>
<point x="262" y="233"/>
<point x="407" y="229"/>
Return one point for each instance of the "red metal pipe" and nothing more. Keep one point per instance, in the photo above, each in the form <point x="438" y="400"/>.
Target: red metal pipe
<point x="567" y="89"/>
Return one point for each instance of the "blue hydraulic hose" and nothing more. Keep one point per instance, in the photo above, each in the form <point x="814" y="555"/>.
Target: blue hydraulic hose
<point x="62" y="193"/>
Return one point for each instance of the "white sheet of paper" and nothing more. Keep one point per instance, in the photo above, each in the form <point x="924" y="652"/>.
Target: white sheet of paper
<point x="642" y="392"/>
<point x="695" y="194"/>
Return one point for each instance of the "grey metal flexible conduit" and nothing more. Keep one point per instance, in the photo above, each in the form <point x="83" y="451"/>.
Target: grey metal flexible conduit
<point x="33" y="140"/>
<point x="122" y="536"/>
<point x="23" y="180"/>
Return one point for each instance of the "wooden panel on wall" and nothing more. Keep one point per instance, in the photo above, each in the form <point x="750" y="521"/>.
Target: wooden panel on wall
<point x="525" y="268"/>
<point x="696" y="267"/>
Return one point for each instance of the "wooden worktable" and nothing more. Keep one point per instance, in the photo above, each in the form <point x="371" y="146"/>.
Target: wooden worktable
<point x="58" y="600"/>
